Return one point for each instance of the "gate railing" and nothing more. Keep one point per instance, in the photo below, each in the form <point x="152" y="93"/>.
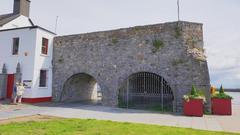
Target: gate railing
<point x="145" y="91"/>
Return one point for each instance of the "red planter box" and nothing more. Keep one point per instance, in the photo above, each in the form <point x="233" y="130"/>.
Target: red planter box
<point x="221" y="106"/>
<point x="194" y="107"/>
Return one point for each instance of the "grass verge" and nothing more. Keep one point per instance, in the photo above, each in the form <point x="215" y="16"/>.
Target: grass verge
<point x="94" y="127"/>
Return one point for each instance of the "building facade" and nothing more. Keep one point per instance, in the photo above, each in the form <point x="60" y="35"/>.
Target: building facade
<point x="26" y="55"/>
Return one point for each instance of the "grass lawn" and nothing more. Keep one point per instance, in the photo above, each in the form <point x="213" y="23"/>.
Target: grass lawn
<point x="94" y="127"/>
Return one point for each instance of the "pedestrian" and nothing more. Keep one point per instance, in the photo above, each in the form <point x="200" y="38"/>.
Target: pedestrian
<point x="20" y="92"/>
<point x="14" y="95"/>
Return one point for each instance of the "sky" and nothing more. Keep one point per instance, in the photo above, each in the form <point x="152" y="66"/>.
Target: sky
<point x="220" y="18"/>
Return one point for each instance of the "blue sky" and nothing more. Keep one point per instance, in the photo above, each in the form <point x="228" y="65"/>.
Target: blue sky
<point x="221" y="19"/>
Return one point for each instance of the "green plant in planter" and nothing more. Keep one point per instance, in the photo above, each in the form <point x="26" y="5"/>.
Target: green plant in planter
<point x="221" y="90"/>
<point x="221" y="94"/>
<point x="194" y="91"/>
<point x="194" y="94"/>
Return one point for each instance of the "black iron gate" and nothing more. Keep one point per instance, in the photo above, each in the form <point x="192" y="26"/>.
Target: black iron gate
<point x="146" y="91"/>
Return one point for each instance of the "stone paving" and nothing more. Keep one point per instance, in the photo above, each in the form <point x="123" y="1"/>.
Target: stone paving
<point x="76" y="110"/>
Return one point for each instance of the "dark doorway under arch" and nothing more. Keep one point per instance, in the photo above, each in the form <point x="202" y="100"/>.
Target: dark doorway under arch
<point x="146" y="90"/>
<point x="81" y="88"/>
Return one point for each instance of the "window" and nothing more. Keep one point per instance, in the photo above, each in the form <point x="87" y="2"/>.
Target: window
<point x="43" y="78"/>
<point x="15" y="47"/>
<point x="44" y="46"/>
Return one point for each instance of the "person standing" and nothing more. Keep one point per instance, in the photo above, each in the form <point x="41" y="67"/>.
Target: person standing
<point x="14" y="95"/>
<point x="20" y="92"/>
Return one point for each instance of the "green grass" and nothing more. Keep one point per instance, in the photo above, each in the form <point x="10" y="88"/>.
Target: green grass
<point x="94" y="127"/>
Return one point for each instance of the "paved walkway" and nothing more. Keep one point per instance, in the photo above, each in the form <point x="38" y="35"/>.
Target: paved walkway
<point x="74" y="110"/>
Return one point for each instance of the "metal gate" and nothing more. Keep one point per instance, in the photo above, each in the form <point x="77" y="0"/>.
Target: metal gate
<point x="146" y="91"/>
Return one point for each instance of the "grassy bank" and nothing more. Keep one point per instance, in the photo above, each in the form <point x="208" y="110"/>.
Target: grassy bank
<point x="94" y="127"/>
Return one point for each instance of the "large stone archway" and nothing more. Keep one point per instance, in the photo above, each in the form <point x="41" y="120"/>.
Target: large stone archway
<point x="81" y="87"/>
<point x="112" y="56"/>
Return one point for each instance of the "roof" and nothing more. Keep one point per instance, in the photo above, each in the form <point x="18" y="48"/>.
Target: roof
<point x="29" y="27"/>
<point x="6" y="18"/>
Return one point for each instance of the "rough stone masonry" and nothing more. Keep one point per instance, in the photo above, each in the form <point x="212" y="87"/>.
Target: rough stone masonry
<point x="172" y="50"/>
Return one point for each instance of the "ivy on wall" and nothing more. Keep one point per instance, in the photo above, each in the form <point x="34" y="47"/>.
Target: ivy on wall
<point x="178" y="31"/>
<point x="157" y="44"/>
<point x="178" y="62"/>
<point x="114" y="40"/>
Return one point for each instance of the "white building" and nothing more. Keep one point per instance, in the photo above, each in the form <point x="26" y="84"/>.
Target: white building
<point x="28" y="47"/>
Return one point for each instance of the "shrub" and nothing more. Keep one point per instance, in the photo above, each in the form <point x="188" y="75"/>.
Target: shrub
<point x="194" y="91"/>
<point x="194" y="94"/>
<point x="221" y="94"/>
<point x="221" y="90"/>
<point x="114" y="40"/>
<point x="157" y="44"/>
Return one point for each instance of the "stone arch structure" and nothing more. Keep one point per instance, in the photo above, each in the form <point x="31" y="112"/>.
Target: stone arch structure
<point x="81" y="87"/>
<point x="167" y="78"/>
<point x="146" y="90"/>
<point x="173" y="51"/>
<point x="136" y="70"/>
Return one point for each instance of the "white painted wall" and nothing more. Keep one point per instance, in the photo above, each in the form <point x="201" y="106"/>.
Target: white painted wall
<point x="30" y="43"/>
<point x="21" y="21"/>
<point x="27" y="44"/>
<point x="43" y="62"/>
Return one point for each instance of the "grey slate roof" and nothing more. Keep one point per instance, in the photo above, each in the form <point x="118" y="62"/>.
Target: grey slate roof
<point x="7" y="18"/>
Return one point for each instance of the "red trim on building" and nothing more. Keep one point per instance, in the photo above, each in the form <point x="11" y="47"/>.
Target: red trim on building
<point x="10" y="83"/>
<point x="37" y="100"/>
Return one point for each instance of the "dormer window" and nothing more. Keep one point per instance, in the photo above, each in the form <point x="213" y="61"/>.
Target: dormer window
<point x="44" y="46"/>
<point x="15" y="47"/>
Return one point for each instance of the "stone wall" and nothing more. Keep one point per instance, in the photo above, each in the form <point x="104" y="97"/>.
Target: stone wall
<point x="3" y="85"/>
<point x="172" y="50"/>
<point x="3" y="82"/>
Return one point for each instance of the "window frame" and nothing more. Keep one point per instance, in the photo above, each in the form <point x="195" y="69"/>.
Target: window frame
<point x="46" y="79"/>
<point x="13" y="46"/>
<point x="44" y="46"/>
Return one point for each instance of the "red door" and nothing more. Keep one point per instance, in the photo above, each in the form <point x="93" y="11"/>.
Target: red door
<point x="10" y="85"/>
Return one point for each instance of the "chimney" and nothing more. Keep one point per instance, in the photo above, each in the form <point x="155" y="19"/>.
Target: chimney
<point x="21" y="7"/>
